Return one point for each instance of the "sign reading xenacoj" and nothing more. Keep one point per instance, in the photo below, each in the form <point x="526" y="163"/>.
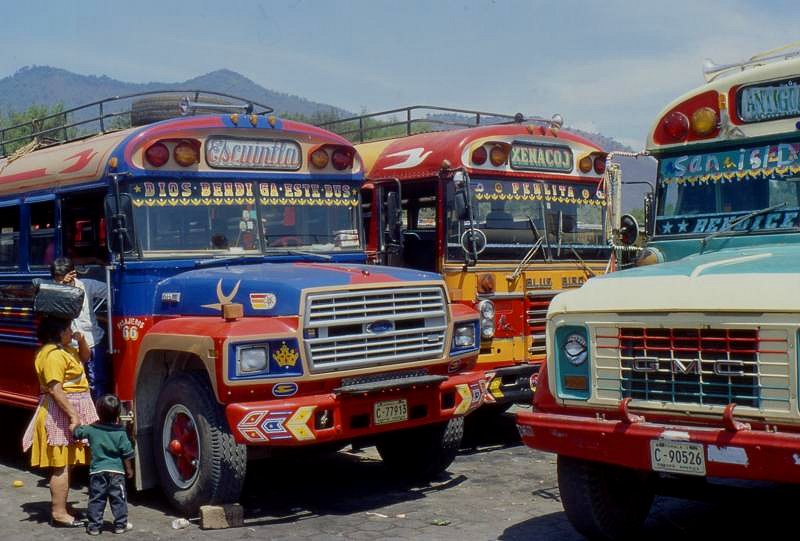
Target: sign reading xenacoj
<point x="769" y="101"/>
<point x="532" y="157"/>
<point x="276" y="154"/>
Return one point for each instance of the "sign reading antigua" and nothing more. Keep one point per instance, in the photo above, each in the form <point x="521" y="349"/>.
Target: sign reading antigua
<point x="772" y="101"/>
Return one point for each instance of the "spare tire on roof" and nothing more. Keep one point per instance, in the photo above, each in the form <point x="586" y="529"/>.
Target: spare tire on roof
<point x="160" y="107"/>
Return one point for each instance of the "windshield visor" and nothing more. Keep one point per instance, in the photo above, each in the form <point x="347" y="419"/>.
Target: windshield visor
<point x="704" y="193"/>
<point x="210" y="218"/>
<point x="567" y="216"/>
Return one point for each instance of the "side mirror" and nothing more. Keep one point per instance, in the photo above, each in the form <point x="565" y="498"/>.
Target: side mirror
<point x="119" y="224"/>
<point x="649" y="213"/>
<point x="393" y="217"/>
<point x="628" y="230"/>
<point x="461" y="199"/>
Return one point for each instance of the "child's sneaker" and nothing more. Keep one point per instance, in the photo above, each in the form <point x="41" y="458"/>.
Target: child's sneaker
<point x="123" y="529"/>
<point x="92" y="530"/>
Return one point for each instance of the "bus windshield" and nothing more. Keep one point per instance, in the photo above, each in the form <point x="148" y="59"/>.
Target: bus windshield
<point x="697" y="196"/>
<point x="210" y="218"/>
<point x="568" y="216"/>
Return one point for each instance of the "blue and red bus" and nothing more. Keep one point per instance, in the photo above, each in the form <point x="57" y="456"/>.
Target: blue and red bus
<point x="240" y="311"/>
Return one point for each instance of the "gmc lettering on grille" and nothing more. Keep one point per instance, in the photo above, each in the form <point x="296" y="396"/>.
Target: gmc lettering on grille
<point x="645" y="365"/>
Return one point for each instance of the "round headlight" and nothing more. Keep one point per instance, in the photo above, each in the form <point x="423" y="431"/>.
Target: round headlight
<point x="486" y="308"/>
<point x="575" y="349"/>
<point x="252" y="359"/>
<point x="487" y="328"/>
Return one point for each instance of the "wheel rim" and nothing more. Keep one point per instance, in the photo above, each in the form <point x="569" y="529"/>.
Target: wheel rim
<point x="181" y="446"/>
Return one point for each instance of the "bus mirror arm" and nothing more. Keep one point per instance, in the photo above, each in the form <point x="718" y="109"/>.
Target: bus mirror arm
<point x="464" y="213"/>
<point x="119" y="209"/>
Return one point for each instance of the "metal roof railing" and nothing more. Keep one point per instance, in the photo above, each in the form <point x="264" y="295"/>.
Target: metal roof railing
<point x="103" y="112"/>
<point x="429" y="117"/>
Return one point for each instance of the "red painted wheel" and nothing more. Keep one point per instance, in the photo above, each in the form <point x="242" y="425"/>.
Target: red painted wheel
<point x="182" y="453"/>
<point x="197" y="459"/>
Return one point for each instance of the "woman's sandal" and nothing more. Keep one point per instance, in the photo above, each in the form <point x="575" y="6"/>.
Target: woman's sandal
<point x="61" y="524"/>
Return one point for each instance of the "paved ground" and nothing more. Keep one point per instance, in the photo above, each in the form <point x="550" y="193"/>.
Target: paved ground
<point x="496" y="489"/>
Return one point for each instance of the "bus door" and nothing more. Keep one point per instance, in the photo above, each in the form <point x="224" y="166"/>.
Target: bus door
<point x="387" y="213"/>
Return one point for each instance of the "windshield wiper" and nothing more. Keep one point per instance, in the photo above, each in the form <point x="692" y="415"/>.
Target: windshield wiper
<point x="324" y="257"/>
<point x="235" y="259"/>
<point x="582" y="264"/>
<point x="736" y="222"/>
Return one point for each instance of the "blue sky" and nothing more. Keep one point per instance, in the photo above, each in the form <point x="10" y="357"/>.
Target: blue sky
<point x="605" y="66"/>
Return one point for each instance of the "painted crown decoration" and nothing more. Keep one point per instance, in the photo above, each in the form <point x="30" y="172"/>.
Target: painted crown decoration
<point x="285" y="356"/>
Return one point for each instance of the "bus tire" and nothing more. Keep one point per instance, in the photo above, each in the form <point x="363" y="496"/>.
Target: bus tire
<point x="604" y="501"/>
<point x="423" y="452"/>
<point x="197" y="459"/>
<point x="165" y="106"/>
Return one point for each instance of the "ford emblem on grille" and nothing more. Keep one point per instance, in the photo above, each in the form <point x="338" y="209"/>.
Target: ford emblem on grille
<point x="379" y="327"/>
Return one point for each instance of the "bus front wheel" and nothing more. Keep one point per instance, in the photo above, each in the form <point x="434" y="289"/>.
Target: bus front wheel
<point x="423" y="452"/>
<point x="197" y="459"/>
<point x="604" y="501"/>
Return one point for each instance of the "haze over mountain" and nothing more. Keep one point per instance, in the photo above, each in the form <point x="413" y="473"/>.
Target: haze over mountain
<point x="44" y="85"/>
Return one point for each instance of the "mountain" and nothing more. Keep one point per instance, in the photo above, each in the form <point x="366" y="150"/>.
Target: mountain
<point x="43" y="85"/>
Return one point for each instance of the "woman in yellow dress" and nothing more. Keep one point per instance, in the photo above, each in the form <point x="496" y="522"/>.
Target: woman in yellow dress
<point x="64" y="404"/>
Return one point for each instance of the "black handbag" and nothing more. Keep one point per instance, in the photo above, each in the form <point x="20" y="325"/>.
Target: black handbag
<point x="58" y="300"/>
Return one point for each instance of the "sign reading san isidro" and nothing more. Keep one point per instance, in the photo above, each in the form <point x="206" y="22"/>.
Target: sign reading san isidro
<point x="274" y="154"/>
<point x="533" y="157"/>
<point x="769" y="101"/>
<point x="743" y="163"/>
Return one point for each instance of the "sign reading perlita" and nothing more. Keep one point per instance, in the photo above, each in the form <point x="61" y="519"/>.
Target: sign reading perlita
<point x="274" y="154"/>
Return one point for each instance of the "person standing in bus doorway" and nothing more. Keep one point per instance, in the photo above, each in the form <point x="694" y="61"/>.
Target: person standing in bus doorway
<point x="63" y="271"/>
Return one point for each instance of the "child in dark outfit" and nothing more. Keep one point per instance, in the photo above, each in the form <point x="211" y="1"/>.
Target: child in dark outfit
<point x="111" y="458"/>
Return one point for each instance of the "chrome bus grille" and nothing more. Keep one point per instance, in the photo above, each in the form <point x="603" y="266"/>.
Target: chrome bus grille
<point x="536" y="305"/>
<point x="373" y="327"/>
<point x="704" y="367"/>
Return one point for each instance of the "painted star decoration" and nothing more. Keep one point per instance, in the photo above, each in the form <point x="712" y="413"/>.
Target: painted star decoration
<point x="666" y="227"/>
<point x="682" y="225"/>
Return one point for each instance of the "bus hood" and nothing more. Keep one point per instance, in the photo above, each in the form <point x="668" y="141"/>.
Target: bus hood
<point x="269" y="289"/>
<point x="763" y="279"/>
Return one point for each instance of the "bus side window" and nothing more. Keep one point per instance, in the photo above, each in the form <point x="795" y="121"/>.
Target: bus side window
<point x="42" y="247"/>
<point x="9" y="237"/>
<point x="83" y="228"/>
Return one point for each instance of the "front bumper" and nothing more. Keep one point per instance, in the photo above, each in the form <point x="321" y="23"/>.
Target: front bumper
<point x="511" y="384"/>
<point x="737" y="453"/>
<point x="312" y="419"/>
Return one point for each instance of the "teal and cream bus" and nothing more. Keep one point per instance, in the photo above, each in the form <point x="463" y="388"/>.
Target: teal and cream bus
<point x="687" y="364"/>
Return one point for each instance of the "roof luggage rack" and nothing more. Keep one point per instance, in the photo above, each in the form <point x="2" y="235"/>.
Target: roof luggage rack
<point x="119" y="112"/>
<point x="421" y="119"/>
